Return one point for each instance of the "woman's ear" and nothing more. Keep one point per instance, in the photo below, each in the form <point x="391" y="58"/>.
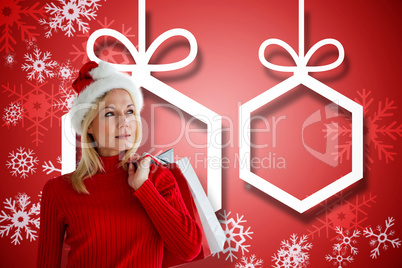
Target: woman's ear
<point x="90" y="131"/>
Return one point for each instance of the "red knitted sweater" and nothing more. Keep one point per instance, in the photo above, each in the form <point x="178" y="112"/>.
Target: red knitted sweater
<point x="115" y="226"/>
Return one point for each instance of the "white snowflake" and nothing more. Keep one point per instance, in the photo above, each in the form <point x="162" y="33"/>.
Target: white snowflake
<point x="22" y="163"/>
<point x="21" y="218"/>
<point x="252" y="263"/>
<point x="68" y="14"/>
<point x="235" y="235"/>
<point x="66" y="72"/>
<point x="49" y="167"/>
<point x="39" y="66"/>
<point x="347" y="241"/>
<point x="382" y="238"/>
<point x="9" y="59"/>
<point x="68" y="96"/>
<point x="343" y="249"/>
<point x="339" y="258"/>
<point x="13" y="114"/>
<point x="294" y="254"/>
<point x="31" y="43"/>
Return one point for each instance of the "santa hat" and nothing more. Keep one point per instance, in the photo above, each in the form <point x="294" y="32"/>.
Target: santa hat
<point x="95" y="80"/>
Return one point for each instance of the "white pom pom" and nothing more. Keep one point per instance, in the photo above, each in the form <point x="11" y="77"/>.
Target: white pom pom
<point x="103" y="70"/>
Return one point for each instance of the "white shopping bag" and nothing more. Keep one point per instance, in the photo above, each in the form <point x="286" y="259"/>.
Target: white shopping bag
<point x="212" y="228"/>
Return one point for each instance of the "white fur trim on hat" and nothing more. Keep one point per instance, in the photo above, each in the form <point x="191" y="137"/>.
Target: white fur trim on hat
<point x="106" y="78"/>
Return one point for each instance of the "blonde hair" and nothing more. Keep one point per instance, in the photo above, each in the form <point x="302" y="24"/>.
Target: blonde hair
<point x="90" y="163"/>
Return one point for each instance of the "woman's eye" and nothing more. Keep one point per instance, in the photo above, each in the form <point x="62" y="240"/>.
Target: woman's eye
<point x="109" y="114"/>
<point x="130" y="111"/>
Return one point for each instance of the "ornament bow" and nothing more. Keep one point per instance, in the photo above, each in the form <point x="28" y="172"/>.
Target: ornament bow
<point x="142" y="56"/>
<point x="302" y="59"/>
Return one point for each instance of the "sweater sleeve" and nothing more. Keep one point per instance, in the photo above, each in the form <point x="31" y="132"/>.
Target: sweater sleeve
<point x="51" y="232"/>
<point x="161" y="198"/>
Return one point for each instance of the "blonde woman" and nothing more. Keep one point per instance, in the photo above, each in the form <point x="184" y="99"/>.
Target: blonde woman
<point x="111" y="212"/>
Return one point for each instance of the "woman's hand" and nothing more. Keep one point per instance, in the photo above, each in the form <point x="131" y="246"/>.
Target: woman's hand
<point x="137" y="177"/>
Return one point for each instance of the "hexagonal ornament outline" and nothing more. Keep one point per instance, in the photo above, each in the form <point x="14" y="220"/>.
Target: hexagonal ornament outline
<point x="329" y="190"/>
<point x="299" y="77"/>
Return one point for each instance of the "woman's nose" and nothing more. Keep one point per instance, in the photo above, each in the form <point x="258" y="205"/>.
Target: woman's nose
<point x="123" y="121"/>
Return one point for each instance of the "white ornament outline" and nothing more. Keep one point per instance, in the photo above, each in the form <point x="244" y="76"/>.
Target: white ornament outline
<point x="141" y="73"/>
<point x="301" y="77"/>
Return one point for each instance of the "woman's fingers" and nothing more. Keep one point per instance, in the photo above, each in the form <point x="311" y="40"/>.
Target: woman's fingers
<point x="137" y="178"/>
<point x="143" y="167"/>
<point x="145" y="162"/>
<point x="130" y="168"/>
<point x="134" y="158"/>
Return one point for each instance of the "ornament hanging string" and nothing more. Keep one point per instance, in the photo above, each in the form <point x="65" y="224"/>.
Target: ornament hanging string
<point x="301" y="59"/>
<point x="142" y="56"/>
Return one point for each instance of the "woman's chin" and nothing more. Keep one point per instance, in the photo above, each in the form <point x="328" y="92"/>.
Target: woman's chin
<point x="126" y="146"/>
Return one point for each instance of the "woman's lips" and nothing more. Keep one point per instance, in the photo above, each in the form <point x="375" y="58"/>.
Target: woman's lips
<point x="124" y="136"/>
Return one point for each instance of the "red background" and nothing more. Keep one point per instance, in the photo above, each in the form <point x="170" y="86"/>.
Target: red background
<point x="225" y="74"/>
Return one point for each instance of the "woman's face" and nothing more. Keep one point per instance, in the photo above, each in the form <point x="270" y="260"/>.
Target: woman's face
<point x="114" y="128"/>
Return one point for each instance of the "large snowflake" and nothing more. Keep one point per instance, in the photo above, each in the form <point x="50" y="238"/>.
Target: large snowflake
<point x="236" y="235"/>
<point x="38" y="66"/>
<point x="251" y="263"/>
<point x="382" y="238"/>
<point x="21" y="218"/>
<point x="13" y="114"/>
<point x="13" y="17"/>
<point x="345" y="249"/>
<point x="37" y="105"/>
<point x="37" y="102"/>
<point x="107" y="49"/>
<point x="345" y="212"/>
<point x="69" y="15"/>
<point x="22" y="162"/>
<point x="293" y="254"/>
<point x="377" y="134"/>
